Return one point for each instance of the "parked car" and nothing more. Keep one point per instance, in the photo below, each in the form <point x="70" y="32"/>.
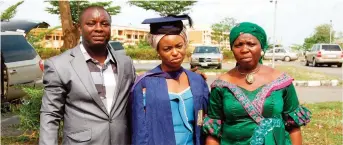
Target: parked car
<point x="21" y="63"/>
<point x="117" y="46"/>
<point x="206" y="56"/>
<point x="330" y="54"/>
<point x="281" y="54"/>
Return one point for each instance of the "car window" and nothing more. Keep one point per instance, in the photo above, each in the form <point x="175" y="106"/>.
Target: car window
<point x="317" y="47"/>
<point x="206" y="49"/>
<point x="116" y="46"/>
<point x="282" y="51"/>
<point x="314" y="48"/>
<point x="331" y="48"/>
<point x="16" y="48"/>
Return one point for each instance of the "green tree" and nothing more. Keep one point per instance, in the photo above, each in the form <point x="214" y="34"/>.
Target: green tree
<point x="69" y="12"/>
<point x="165" y="8"/>
<point x="321" y="35"/>
<point x="297" y="47"/>
<point x="220" y="31"/>
<point x="77" y="6"/>
<point x="10" y="12"/>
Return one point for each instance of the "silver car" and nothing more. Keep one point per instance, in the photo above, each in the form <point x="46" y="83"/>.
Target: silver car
<point x="23" y="64"/>
<point x="330" y="54"/>
<point x="206" y="56"/>
<point x="281" y="54"/>
<point x="20" y="63"/>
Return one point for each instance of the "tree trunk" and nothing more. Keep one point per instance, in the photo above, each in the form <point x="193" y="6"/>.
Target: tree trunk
<point x="70" y="31"/>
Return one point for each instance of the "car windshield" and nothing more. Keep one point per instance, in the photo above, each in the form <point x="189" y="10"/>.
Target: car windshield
<point x="331" y="48"/>
<point x="206" y="49"/>
<point x="116" y="46"/>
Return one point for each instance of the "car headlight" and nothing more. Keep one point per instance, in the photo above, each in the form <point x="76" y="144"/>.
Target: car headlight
<point x="195" y="59"/>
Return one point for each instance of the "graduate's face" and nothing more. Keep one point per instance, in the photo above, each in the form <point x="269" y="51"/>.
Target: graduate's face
<point x="172" y="50"/>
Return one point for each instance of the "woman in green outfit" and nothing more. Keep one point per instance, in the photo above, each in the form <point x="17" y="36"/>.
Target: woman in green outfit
<point x="252" y="103"/>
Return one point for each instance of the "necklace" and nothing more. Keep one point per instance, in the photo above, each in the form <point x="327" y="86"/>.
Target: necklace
<point x="249" y="77"/>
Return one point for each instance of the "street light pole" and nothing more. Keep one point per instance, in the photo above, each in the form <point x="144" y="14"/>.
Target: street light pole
<point x="274" y="43"/>
<point x="330" y="30"/>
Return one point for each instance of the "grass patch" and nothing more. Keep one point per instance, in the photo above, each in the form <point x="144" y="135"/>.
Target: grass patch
<point x="305" y="74"/>
<point x="325" y="127"/>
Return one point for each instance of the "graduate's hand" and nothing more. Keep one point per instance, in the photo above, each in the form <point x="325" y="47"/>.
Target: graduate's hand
<point x="199" y="72"/>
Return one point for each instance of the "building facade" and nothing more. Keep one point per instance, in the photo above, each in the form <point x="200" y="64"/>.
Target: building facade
<point x="131" y="36"/>
<point x="125" y="35"/>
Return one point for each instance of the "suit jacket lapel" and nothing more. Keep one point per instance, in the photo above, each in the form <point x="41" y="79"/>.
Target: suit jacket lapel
<point x="81" y="68"/>
<point x="120" y="73"/>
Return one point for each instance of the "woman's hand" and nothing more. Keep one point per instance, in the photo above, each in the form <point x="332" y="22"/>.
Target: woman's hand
<point x="199" y="72"/>
<point x="296" y="136"/>
<point x="211" y="141"/>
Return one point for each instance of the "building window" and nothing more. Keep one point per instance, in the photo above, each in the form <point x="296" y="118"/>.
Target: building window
<point x="129" y="36"/>
<point x="141" y="37"/>
<point x="47" y="37"/>
<point x="120" y="32"/>
<point x="136" y="36"/>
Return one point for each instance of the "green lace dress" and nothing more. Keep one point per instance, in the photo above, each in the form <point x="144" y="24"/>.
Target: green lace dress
<point x="240" y="117"/>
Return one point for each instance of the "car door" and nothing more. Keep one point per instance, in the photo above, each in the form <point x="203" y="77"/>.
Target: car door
<point x="21" y="59"/>
<point x="310" y="54"/>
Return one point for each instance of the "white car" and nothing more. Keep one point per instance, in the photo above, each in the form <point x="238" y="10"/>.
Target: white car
<point x="330" y="54"/>
<point x="281" y="54"/>
<point x="206" y="56"/>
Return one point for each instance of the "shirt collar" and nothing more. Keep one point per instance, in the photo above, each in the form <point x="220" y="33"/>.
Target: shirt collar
<point x="88" y="57"/>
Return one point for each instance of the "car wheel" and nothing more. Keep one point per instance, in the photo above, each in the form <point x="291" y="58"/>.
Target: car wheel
<point x="339" y="65"/>
<point x="314" y="63"/>
<point x="219" y="66"/>
<point x="306" y="63"/>
<point x="287" y="59"/>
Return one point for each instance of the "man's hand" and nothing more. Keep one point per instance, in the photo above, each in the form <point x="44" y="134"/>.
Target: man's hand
<point x="199" y="72"/>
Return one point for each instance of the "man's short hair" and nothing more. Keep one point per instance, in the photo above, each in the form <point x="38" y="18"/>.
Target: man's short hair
<point x="92" y="7"/>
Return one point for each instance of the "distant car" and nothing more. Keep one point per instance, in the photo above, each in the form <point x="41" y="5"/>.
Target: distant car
<point x="330" y="54"/>
<point x="117" y="46"/>
<point x="281" y="54"/>
<point x="21" y="64"/>
<point x="206" y="56"/>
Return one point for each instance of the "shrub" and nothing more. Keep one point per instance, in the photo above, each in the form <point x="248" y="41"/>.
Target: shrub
<point x="228" y="55"/>
<point x="142" y="54"/>
<point x="45" y="53"/>
<point x="29" y="111"/>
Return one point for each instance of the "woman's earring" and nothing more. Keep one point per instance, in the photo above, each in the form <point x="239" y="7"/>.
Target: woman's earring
<point x="262" y="53"/>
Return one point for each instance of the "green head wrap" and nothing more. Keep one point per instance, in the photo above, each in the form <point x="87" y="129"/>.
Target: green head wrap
<point x="251" y="28"/>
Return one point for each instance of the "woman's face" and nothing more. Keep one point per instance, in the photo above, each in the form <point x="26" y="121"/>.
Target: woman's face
<point x="172" y="50"/>
<point x="247" y="50"/>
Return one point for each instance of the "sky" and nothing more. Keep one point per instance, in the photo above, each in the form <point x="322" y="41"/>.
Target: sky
<point x="295" y="19"/>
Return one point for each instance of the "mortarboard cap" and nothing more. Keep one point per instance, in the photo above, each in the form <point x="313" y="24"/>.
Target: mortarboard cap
<point x="171" y="24"/>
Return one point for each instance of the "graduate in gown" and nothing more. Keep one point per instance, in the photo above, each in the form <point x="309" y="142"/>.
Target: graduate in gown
<point x="168" y="102"/>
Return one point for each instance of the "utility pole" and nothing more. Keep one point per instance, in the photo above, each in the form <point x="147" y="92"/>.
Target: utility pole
<point x="274" y="38"/>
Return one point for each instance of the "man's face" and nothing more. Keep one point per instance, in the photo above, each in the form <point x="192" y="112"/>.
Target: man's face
<point x="95" y="27"/>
